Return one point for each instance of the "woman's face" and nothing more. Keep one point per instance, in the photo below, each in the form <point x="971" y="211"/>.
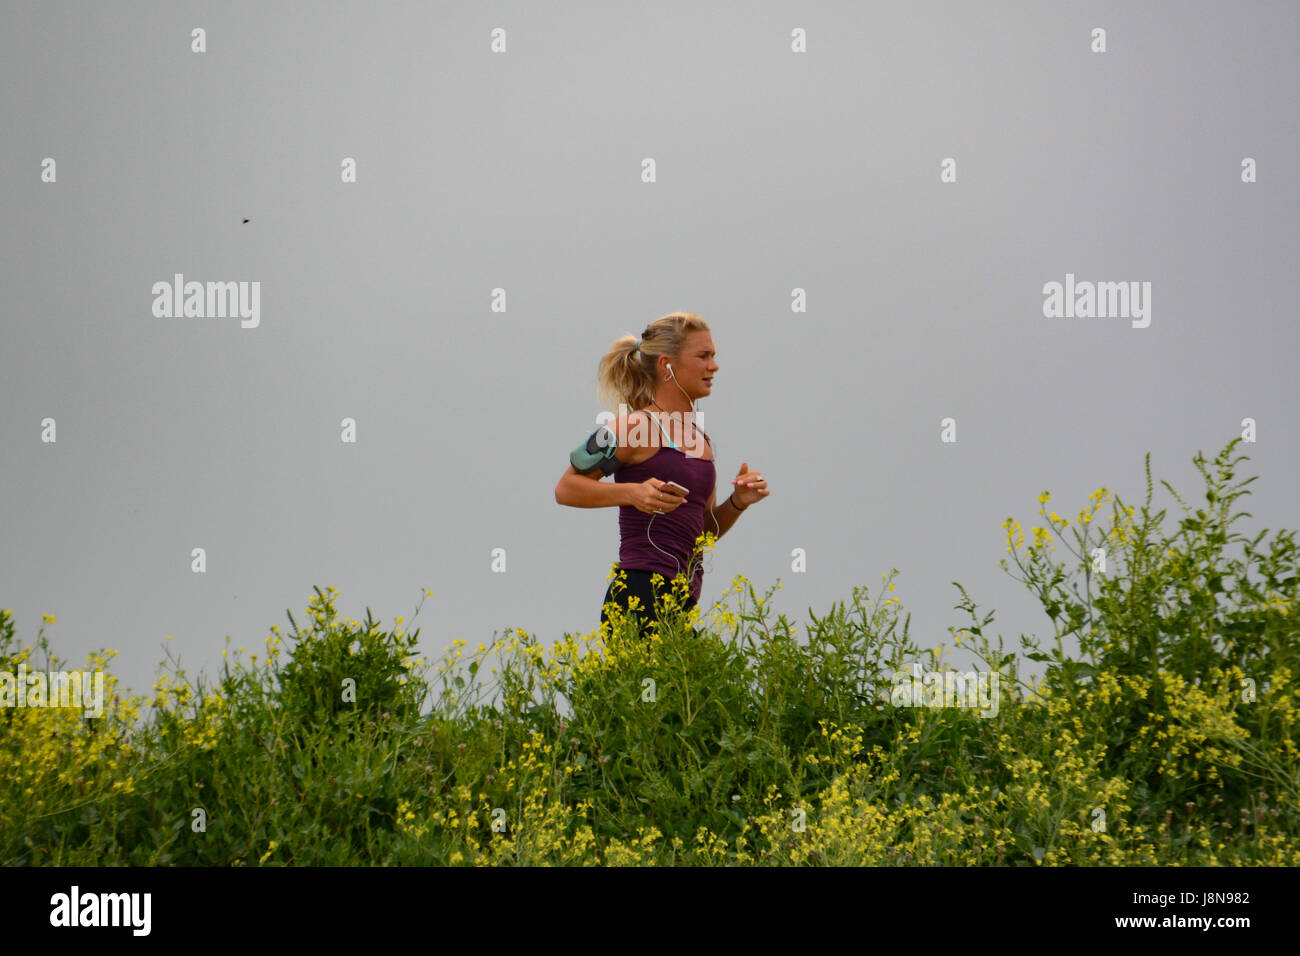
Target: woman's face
<point x="694" y="368"/>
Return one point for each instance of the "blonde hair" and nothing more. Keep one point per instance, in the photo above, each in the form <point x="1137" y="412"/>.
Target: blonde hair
<point x="627" y="374"/>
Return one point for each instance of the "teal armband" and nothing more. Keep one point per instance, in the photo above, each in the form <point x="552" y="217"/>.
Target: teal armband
<point x="596" y="452"/>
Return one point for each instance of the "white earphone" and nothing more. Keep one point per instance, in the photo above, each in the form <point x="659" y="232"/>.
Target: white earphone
<point x="714" y="444"/>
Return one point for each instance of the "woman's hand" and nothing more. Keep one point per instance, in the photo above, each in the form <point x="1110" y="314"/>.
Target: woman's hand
<point x="653" y="498"/>
<point x="750" y="486"/>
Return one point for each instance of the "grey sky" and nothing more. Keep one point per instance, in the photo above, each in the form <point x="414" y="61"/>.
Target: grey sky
<point x="521" y="171"/>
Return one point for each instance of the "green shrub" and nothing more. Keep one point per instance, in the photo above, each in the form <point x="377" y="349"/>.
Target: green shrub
<point x="1161" y="730"/>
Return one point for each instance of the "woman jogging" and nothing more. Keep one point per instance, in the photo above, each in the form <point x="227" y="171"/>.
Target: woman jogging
<point x="654" y="448"/>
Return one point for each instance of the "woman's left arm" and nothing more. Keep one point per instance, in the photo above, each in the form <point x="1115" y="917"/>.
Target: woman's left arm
<point x="725" y="515"/>
<point x="750" y="487"/>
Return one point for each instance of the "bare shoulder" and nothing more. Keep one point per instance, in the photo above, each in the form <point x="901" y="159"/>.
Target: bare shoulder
<point x="635" y="442"/>
<point x="629" y="446"/>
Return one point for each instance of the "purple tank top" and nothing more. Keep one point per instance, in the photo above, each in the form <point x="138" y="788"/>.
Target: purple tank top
<point x="674" y="533"/>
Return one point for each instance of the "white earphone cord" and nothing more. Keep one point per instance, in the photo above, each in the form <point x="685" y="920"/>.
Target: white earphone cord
<point x="711" y="515"/>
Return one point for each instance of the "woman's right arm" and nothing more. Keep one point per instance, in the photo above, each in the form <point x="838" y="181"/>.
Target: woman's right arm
<point x="588" y="491"/>
<point x="580" y="490"/>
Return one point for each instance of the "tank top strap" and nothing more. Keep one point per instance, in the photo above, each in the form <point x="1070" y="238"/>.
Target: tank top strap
<point x="655" y="418"/>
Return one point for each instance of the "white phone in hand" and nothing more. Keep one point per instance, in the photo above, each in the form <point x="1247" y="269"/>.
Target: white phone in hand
<point x="675" y="488"/>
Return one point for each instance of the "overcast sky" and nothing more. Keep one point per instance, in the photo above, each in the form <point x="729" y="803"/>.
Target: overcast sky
<point x="921" y="171"/>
